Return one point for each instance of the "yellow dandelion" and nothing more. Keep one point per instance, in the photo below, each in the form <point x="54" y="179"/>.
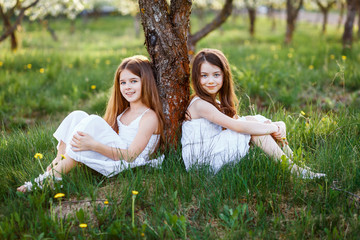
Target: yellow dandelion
<point x="97" y="61"/>
<point x="93" y="87"/>
<point x="143" y="10"/>
<point x="143" y="234"/>
<point x="135" y="192"/>
<point x="59" y="195"/>
<point x="332" y="56"/>
<point x="106" y="202"/>
<point x="63" y="156"/>
<point x="38" y="155"/>
<point x="283" y="138"/>
<point x="42" y="70"/>
<point x="107" y="62"/>
<point x="273" y="48"/>
<point x="1" y="63"/>
<point x="303" y="113"/>
<point x="323" y="119"/>
<point x="343" y="57"/>
<point x="290" y="55"/>
<point x="307" y="124"/>
<point x="276" y="56"/>
<point x="70" y="65"/>
<point x="29" y="66"/>
<point x="83" y="225"/>
<point x="311" y="67"/>
<point x="191" y="52"/>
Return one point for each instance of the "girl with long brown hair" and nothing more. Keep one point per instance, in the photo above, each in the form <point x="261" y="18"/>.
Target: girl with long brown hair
<point x="127" y="136"/>
<point x="213" y="134"/>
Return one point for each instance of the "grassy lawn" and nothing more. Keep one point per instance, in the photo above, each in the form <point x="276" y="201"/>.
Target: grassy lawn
<point x="310" y="85"/>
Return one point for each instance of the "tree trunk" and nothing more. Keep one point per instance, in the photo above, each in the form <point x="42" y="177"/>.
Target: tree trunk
<point x="166" y="30"/>
<point x="341" y="14"/>
<point x="9" y="29"/>
<point x="217" y="22"/>
<point x="325" y="10"/>
<point x="352" y="6"/>
<point x="325" y="18"/>
<point x="271" y="16"/>
<point x="252" y="18"/>
<point x="46" y="24"/>
<point x="292" y="11"/>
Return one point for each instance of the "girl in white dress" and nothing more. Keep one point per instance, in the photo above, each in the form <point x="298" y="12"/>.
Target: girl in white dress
<point x="213" y="134"/>
<point x="127" y="136"/>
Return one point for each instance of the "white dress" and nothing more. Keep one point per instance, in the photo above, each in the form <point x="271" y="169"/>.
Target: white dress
<point x="101" y="131"/>
<point x="205" y="143"/>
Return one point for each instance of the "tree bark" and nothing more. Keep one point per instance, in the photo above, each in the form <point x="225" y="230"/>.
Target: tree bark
<point x="292" y="11"/>
<point x="166" y="30"/>
<point x="252" y="19"/>
<point x="11" y="28"/>
<point x="352" y="6"/>
<point x="217" y="22"/>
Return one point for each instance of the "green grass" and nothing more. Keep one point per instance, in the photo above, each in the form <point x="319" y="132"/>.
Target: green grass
<point x="255" y="198"/>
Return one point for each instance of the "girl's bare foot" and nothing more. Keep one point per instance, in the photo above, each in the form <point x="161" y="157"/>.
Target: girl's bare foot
<point x="22" y="188"/>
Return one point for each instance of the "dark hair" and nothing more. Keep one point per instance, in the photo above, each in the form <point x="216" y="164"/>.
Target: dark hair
<point x="226" y="93"/>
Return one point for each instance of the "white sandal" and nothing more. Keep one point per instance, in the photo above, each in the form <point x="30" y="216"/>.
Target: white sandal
<point x="39" y="181"/>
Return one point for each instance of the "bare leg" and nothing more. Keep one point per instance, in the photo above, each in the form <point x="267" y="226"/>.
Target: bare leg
<point x="62" y="167"/>
<point x="273" y="149"/>
<point x="61" y="151"/>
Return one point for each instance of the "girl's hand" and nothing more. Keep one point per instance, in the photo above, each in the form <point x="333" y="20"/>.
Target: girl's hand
<point x="82" y="142"/>
<point x="280" y="135"/>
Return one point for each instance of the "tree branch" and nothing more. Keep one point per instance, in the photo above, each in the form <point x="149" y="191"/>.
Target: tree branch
<point x="218" y="20"/>
<point x="18" y="21"/>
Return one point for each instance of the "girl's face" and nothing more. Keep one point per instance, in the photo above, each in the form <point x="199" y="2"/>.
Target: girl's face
<point x="211" y="78"/>
<point x="130" y="86"/>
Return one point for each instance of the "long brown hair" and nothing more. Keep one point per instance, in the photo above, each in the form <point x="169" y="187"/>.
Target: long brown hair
<point x="227" y="97"/>
<point x="141" y="67"/>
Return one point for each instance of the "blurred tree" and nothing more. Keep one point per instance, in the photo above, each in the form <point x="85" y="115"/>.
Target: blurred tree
<point x="324" y="6"/>
<point x="34" y="9"/>
<point x="7" y="13"/>
<point x="341" y="5"/>
<point x="166" y="29"/>
<point x="352" y="8"/>
<point x="292" y="11"/>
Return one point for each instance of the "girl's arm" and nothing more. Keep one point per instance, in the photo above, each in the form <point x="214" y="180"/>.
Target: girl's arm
<point x="203" y="109"/>
<point x="147" y="126"/>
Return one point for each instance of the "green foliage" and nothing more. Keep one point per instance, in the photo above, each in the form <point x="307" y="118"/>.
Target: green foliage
<point x="253" y="198"/>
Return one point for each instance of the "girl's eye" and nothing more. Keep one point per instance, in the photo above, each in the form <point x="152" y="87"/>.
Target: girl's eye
<point x="217" y="74"/>
<point x="134" y="81"/>
<point x="122" y="83"/>
<point x="203" y="76"/>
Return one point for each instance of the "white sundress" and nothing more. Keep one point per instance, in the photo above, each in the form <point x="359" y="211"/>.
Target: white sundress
<point x="206" y="143"/>
<point x="101" y="131"/>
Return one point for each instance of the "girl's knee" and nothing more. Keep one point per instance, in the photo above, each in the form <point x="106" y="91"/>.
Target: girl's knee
<point x="79" y="114"/>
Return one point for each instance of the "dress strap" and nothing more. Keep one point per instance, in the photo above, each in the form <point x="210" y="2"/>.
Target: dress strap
<point x="193" y="100"/>
<point x="144" y="112"/>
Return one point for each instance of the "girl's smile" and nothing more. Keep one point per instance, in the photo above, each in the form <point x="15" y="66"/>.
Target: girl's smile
<point x="211" y="78"/>
<point x="130" y="86"/>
